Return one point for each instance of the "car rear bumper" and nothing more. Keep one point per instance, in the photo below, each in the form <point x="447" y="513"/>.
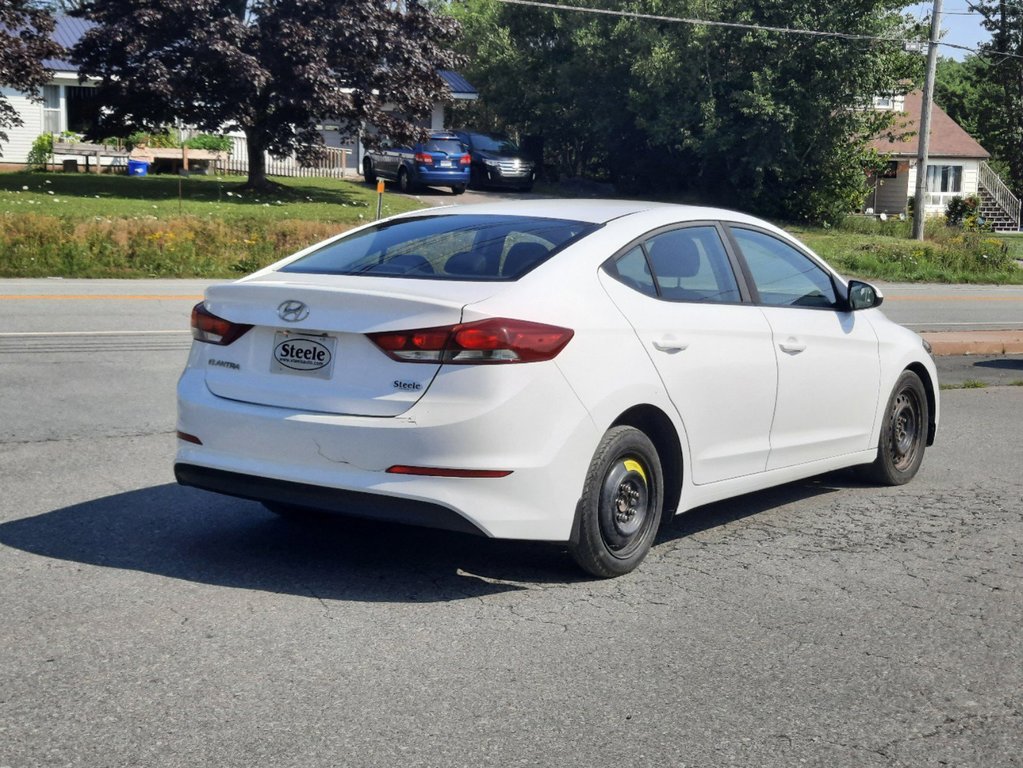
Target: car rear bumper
<point x="268" y="453"/>
<point x="372" y="506"/>
<point x="441" y="177"/>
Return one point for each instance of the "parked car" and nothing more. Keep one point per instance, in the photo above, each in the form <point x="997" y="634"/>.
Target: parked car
<point x="497" y="161"/>
<point x="440" y="161"/>
<point x="562" y="370"/>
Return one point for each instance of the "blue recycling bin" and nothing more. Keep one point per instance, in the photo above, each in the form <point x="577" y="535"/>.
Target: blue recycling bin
<point x="138" y="168"/>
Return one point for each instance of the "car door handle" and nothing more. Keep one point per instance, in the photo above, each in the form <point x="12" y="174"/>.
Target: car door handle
<point x="792" y="346"/>
<point x="669" y="344"/>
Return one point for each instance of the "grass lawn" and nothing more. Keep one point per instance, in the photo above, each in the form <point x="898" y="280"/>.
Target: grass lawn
<point x="83" y="225"/>
<point x="85" y="196"/>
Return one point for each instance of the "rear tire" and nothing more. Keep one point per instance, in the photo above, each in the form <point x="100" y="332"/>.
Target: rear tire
<point x="620" y="509"/>
<point x="900" y="449"/>
<point x="404" y="182"/>
<point x="367" y="171"/>
<point x="458" y="189"/>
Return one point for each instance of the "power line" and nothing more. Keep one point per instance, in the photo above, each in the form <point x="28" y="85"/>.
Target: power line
<point x="752" y="27"/>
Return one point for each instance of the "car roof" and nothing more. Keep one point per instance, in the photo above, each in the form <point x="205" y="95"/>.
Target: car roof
<point x="594" y="211"/>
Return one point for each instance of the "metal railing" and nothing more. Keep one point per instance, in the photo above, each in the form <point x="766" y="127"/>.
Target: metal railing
<point x="1002" y="195"/>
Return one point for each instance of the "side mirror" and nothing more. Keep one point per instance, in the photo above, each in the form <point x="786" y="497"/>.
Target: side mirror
<point x="863" y="295"/>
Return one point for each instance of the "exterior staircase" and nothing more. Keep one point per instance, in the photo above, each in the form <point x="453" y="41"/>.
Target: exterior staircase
<point x="998" y="206"/>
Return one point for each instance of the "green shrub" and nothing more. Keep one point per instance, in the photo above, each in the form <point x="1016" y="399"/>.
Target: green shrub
<point x="211" y="142"/>
<point x="961" y="210"/>
<point x="42" y="152"/>
<point x="158" y="140"/>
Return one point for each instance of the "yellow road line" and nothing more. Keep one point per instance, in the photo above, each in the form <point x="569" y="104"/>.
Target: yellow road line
<point x="953" y="298"/>
<point x="93" y="297"/>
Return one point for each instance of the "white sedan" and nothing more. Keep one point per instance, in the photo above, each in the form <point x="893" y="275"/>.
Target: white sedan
<point x="563" y="370"/>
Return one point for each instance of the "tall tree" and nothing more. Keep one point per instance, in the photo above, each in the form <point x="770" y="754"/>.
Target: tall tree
<point x="24" y="44"/>
<point x="270" y="68"/>
<point x="747" y="117"/>
<point x="1000" y="84"/>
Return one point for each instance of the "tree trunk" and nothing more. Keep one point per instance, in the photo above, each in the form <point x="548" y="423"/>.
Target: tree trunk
<point x="256" y="149"/>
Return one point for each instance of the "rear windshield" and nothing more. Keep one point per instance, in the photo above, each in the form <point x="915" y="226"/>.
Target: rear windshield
<point x="453" y="247"/>
<point x="447" y="146"/>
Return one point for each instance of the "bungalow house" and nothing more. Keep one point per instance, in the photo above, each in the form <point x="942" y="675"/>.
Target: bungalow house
<point x="68" y="105"/>
<point x="956" y="166"/>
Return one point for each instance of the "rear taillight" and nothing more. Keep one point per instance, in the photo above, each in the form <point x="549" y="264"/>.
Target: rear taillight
<point x="498" y="340"/>
<point x="211" y="329"/>
<point x="465" y="160"/>
<point x="425" y="159"/>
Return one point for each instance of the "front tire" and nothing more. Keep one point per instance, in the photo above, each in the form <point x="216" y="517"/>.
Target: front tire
<point x="900" y="449"/>
<point x="620" y="509"/>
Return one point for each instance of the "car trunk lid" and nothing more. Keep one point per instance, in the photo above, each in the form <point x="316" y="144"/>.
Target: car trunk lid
<point x="308" y="348"/>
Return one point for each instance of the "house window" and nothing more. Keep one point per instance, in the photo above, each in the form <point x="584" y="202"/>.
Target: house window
<point x="944" y="179"/>
<point x="82" y="108"/>
<point x="51" y="109"/>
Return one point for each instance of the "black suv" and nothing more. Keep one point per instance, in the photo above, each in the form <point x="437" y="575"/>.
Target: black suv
<point x="497" y="161"/>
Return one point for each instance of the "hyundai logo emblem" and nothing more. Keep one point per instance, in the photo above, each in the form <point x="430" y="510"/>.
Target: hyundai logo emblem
<point x="292" y="311"/>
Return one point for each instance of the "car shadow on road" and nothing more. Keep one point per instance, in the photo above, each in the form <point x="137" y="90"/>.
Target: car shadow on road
<point x="188" y="534"/>
<point x="183" y="533"/>
<point x="722" y="513"/>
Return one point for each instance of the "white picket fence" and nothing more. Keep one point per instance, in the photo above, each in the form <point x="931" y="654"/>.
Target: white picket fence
<point x="334" y="164"/>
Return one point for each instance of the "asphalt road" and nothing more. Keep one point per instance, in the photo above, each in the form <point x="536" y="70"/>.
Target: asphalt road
<point x="825" y="623"/>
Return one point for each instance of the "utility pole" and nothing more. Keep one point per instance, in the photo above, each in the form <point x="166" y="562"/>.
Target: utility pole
<point x="919" y="201"/>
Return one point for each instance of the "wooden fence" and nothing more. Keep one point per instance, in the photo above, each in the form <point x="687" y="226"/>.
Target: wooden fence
<point x="334" y="162"/>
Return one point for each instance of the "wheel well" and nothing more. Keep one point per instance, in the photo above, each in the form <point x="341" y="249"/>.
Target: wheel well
<point x="925" y="377"/>
<point x="657" y="426"/>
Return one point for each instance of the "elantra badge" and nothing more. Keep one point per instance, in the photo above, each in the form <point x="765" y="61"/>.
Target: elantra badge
<point x="292" y="311"/>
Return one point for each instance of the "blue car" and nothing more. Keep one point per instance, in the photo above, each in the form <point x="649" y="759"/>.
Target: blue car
<point x="440" y="161"/>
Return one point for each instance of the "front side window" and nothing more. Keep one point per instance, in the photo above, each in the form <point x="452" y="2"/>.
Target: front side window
<point x="782" y="275"/>
<point x="455" y="247"/>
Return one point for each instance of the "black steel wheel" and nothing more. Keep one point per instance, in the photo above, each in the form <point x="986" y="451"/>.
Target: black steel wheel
<point x="620" y="509"/>
<point x="900" y="449"/>
<point x="367" y="171"/>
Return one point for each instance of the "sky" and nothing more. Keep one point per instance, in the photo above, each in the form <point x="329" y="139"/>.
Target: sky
<point x="961" y="27"/>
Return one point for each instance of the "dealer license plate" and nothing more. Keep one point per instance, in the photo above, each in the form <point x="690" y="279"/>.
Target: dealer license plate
<point x="303" y="354"/>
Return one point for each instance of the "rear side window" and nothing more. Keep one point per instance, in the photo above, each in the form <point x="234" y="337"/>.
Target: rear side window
<point x="633" y="270"/>
<point x="454" y="247"/>
<point x="782" y="275"/>
<point x="691" y="264"/>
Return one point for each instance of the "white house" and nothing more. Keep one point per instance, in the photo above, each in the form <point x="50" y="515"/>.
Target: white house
<point x="956" y="166"/>
<point x="68" y="105"/>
